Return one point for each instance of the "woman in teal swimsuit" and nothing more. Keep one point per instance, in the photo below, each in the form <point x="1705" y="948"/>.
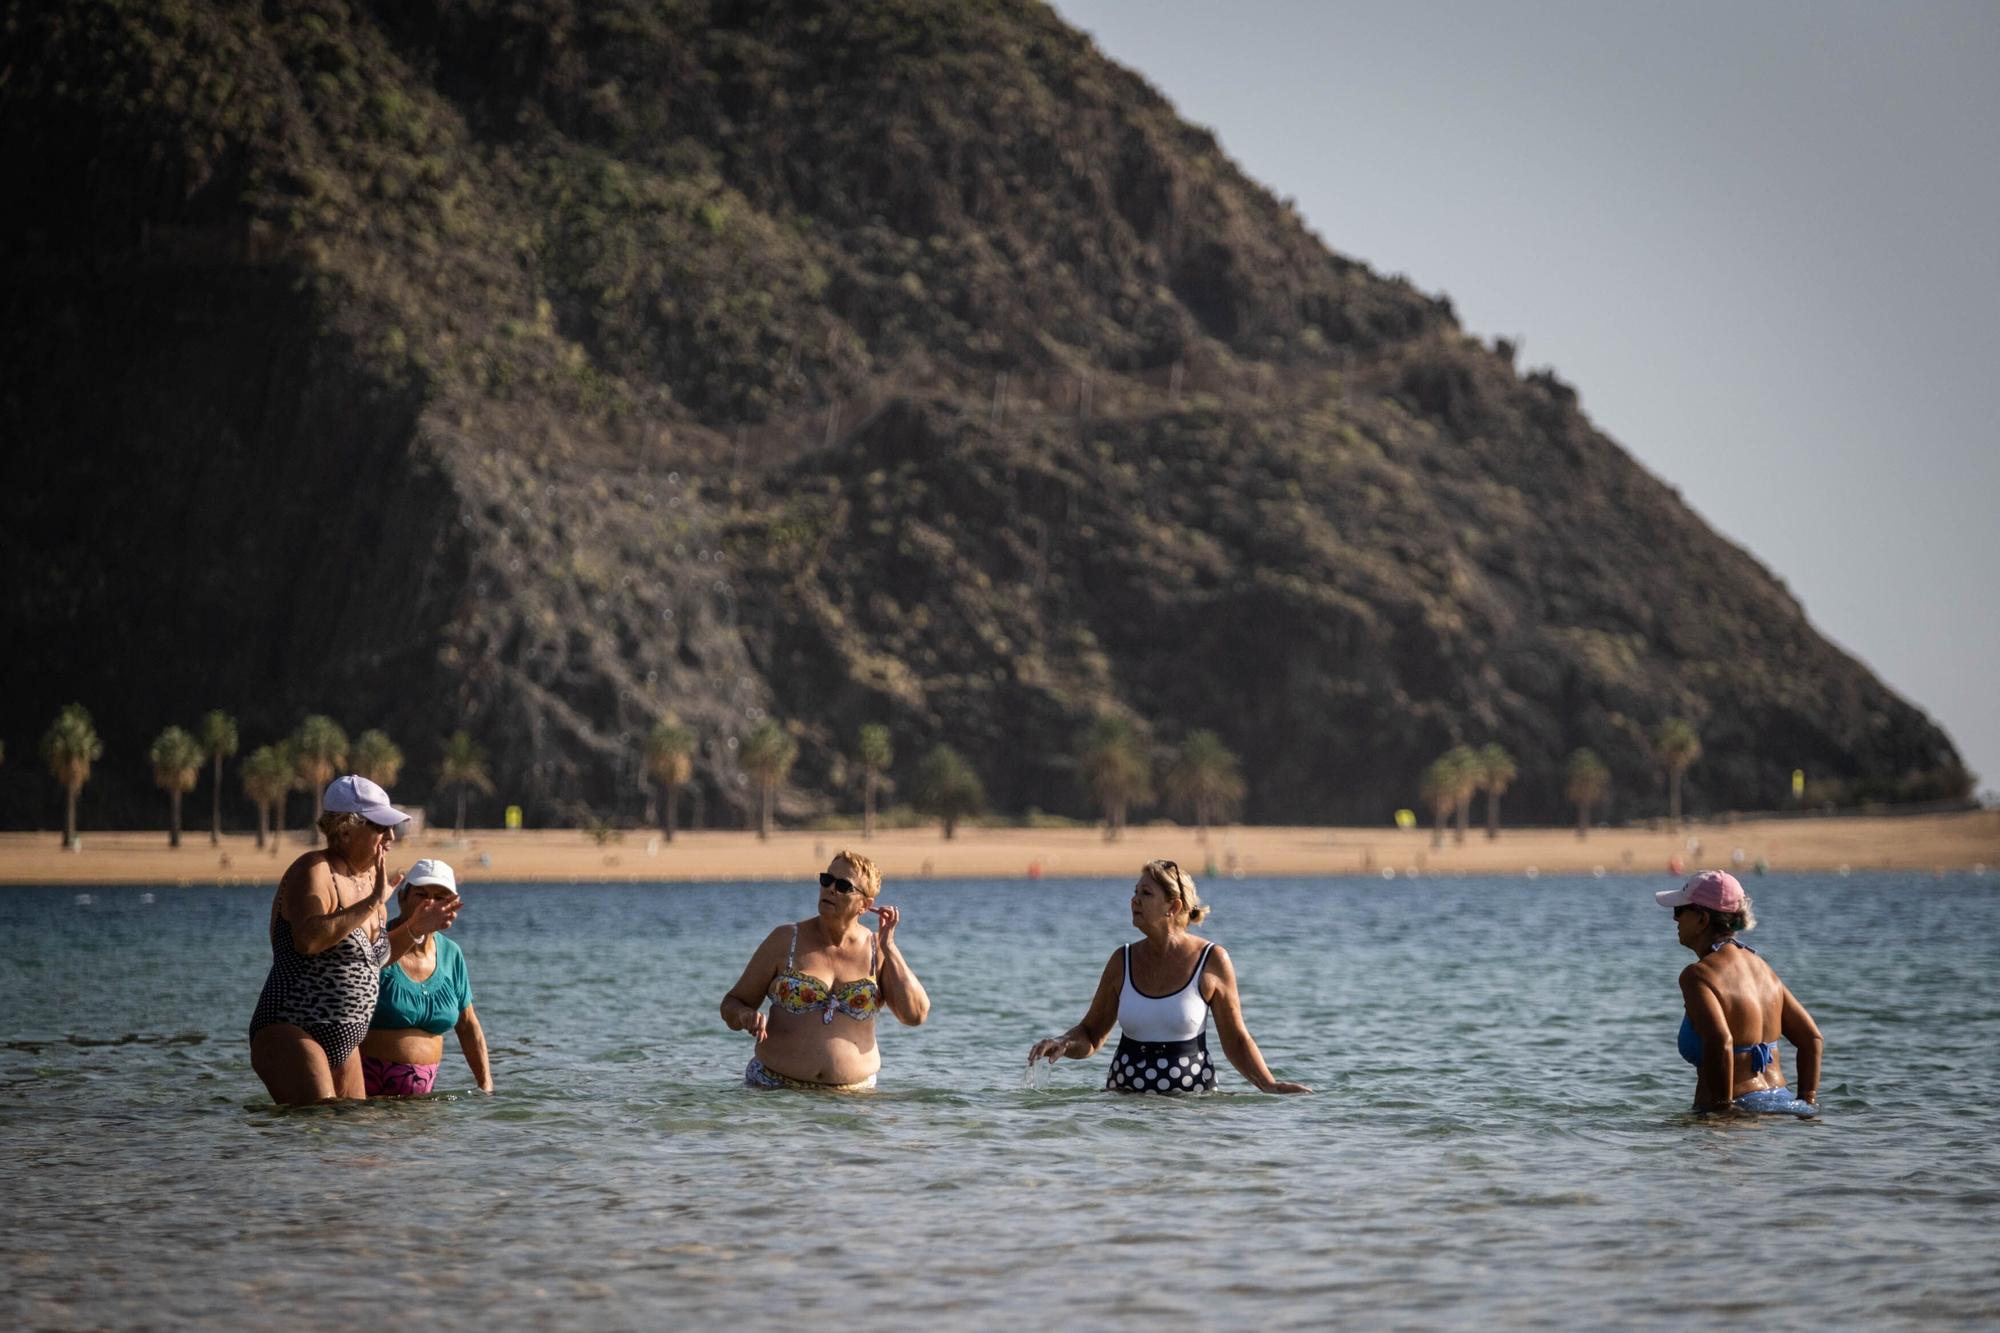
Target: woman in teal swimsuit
<point x="1736" y="1007"/>
<point x="827" y="978"/>
<point x="421" y="996"/>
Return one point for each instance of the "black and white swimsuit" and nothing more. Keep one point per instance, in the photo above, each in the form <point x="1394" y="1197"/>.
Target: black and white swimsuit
<point x="330" y="994"/>
<point x="1162" y="1039"/>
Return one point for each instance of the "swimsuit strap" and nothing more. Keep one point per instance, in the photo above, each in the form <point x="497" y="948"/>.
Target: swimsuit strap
<point x="1730" y="939"/>
<point x="1200" y="964"/>
<point x="792" y="952"/>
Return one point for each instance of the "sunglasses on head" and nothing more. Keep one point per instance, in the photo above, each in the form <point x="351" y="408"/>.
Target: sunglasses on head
<point x="831" y="881"/>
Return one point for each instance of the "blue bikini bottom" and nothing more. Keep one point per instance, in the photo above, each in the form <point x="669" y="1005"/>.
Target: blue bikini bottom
<point x="1775" y="1101"/>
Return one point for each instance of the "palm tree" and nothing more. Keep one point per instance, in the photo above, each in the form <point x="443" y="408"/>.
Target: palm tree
<point x="947" y="788"/>
<point x="1465" y="769"/>
<point x="69" y="747"/>
<point x="875" y="755"/>
<point x="1496" y="773"/>
<point x="1112" y="762"/>
<point x="670" y="759"/>
<point x="267" y="776"/>
<point x="176" y="758"/>
<point x="767" y="754"/>
<point x="1587" y="783"/>
<point x="1676" y="746"/>
<point x="319" y="749"/>
<point x="1204" y="781"/>
<point x="377" y="758"/>
<point x="218" y="739"/>
<point x="463" y="767"/>
<point x="1439" y="787"/>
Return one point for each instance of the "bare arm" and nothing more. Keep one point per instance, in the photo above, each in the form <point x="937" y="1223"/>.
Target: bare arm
<point x="1218" y="984"/>
<point x="1082" y="1041"/>
<point x="743" y="1006"/>
<point x="906" y="996"/>
<point x="310" y="904"/>
<point x="1715" y="1083"/>
<point x="1803" y="1033"/>
<point x="472" y="1041"/>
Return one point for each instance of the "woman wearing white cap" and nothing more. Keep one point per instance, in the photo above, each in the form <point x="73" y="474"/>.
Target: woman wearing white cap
<point x="1736" y="1006"/>
<point x="328" y="943"/>
<point x="425" y="993"/>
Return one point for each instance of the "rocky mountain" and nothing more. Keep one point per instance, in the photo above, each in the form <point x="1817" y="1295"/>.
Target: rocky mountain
<point x="546" y="368"/>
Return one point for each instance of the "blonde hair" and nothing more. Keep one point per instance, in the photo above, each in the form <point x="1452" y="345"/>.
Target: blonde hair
<point x="337" y="824"/>
<point x="1178" y="885"/>
<point x="1740" y="922"/>
<point x="867" y="876"/>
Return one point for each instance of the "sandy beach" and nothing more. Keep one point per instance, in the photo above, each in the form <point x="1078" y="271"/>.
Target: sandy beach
<point x="1951" y="842"/>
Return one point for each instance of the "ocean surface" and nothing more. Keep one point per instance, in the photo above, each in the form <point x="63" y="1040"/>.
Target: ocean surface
<point x="1500" y="1132"/>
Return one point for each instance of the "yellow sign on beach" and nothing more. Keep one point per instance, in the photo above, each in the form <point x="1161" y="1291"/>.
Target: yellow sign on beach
<point x="513" y="817"/>
<point x="1798" y="782"/>
<point x="1406" y="819"/>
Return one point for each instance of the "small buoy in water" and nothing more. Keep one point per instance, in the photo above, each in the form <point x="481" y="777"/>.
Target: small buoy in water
<point x="1388" y="872"/>
<point x="1978" y="867"/>
<point x="1035" y="870"/>
<point x="1843" y="871"/>
<point x="84" y="900"/>
<point x="1532" y="872"/>
<point x="1737" y="856"/>
<point x="145" y="897"/>
<point x="1597" y="872"/>
<point x="1675" y="865"/>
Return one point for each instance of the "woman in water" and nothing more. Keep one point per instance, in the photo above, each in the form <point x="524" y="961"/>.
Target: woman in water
<point x="1736" y="1006"/>
<point x="424" y="994"/>
<point x="1159" y="990"/>
<point x="820" y="1032"/>
<point x="327" y="946"/>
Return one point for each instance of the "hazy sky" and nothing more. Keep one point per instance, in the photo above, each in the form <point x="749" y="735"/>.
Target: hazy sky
<point x="1762" y="239"/>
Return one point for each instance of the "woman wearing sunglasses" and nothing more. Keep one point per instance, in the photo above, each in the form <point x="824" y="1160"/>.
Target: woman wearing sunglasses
<point x="1736" y="1006"/>
<point x="1159" y="990"/>
<point x="827" y="977"/>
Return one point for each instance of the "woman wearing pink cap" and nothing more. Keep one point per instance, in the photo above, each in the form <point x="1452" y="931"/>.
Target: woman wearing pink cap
<point x="328" y="942"/>
<point x="1736" y="1006"/>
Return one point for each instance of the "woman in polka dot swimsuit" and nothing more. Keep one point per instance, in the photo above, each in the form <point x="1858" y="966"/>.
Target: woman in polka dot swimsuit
<point x="1160" y="990"/>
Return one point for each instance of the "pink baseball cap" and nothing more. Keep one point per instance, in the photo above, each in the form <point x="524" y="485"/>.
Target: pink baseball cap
<point x="1716" y="889"/>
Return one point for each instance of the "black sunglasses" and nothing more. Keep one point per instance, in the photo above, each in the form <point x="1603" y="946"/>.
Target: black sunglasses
<point x="828" y="881"/>
<point x="1684" y="907"/>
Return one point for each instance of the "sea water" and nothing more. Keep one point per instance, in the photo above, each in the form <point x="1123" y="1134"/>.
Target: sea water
<point x="1500" y="1130"/>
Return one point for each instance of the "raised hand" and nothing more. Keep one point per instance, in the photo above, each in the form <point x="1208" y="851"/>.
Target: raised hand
<point x="888" y="917"/>
<point x="385" y="883"/>
<point x="433" y="914"/>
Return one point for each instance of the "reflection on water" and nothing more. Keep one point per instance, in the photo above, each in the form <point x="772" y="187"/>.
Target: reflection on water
<point x="1500" y="1130"/>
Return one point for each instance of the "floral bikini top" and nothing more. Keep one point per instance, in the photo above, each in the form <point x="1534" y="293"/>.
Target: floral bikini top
<point x="799" y="992"/>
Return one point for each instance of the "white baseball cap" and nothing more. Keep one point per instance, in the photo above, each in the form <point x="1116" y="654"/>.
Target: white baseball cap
<point x="356" y="795"/>
<point x="428" y="871"/>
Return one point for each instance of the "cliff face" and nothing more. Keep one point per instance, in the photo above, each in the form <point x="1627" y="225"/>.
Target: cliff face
<point x="544" y="368"/>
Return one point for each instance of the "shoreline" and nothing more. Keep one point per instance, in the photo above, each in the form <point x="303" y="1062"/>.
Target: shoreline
<point x="1965" y="841"/>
